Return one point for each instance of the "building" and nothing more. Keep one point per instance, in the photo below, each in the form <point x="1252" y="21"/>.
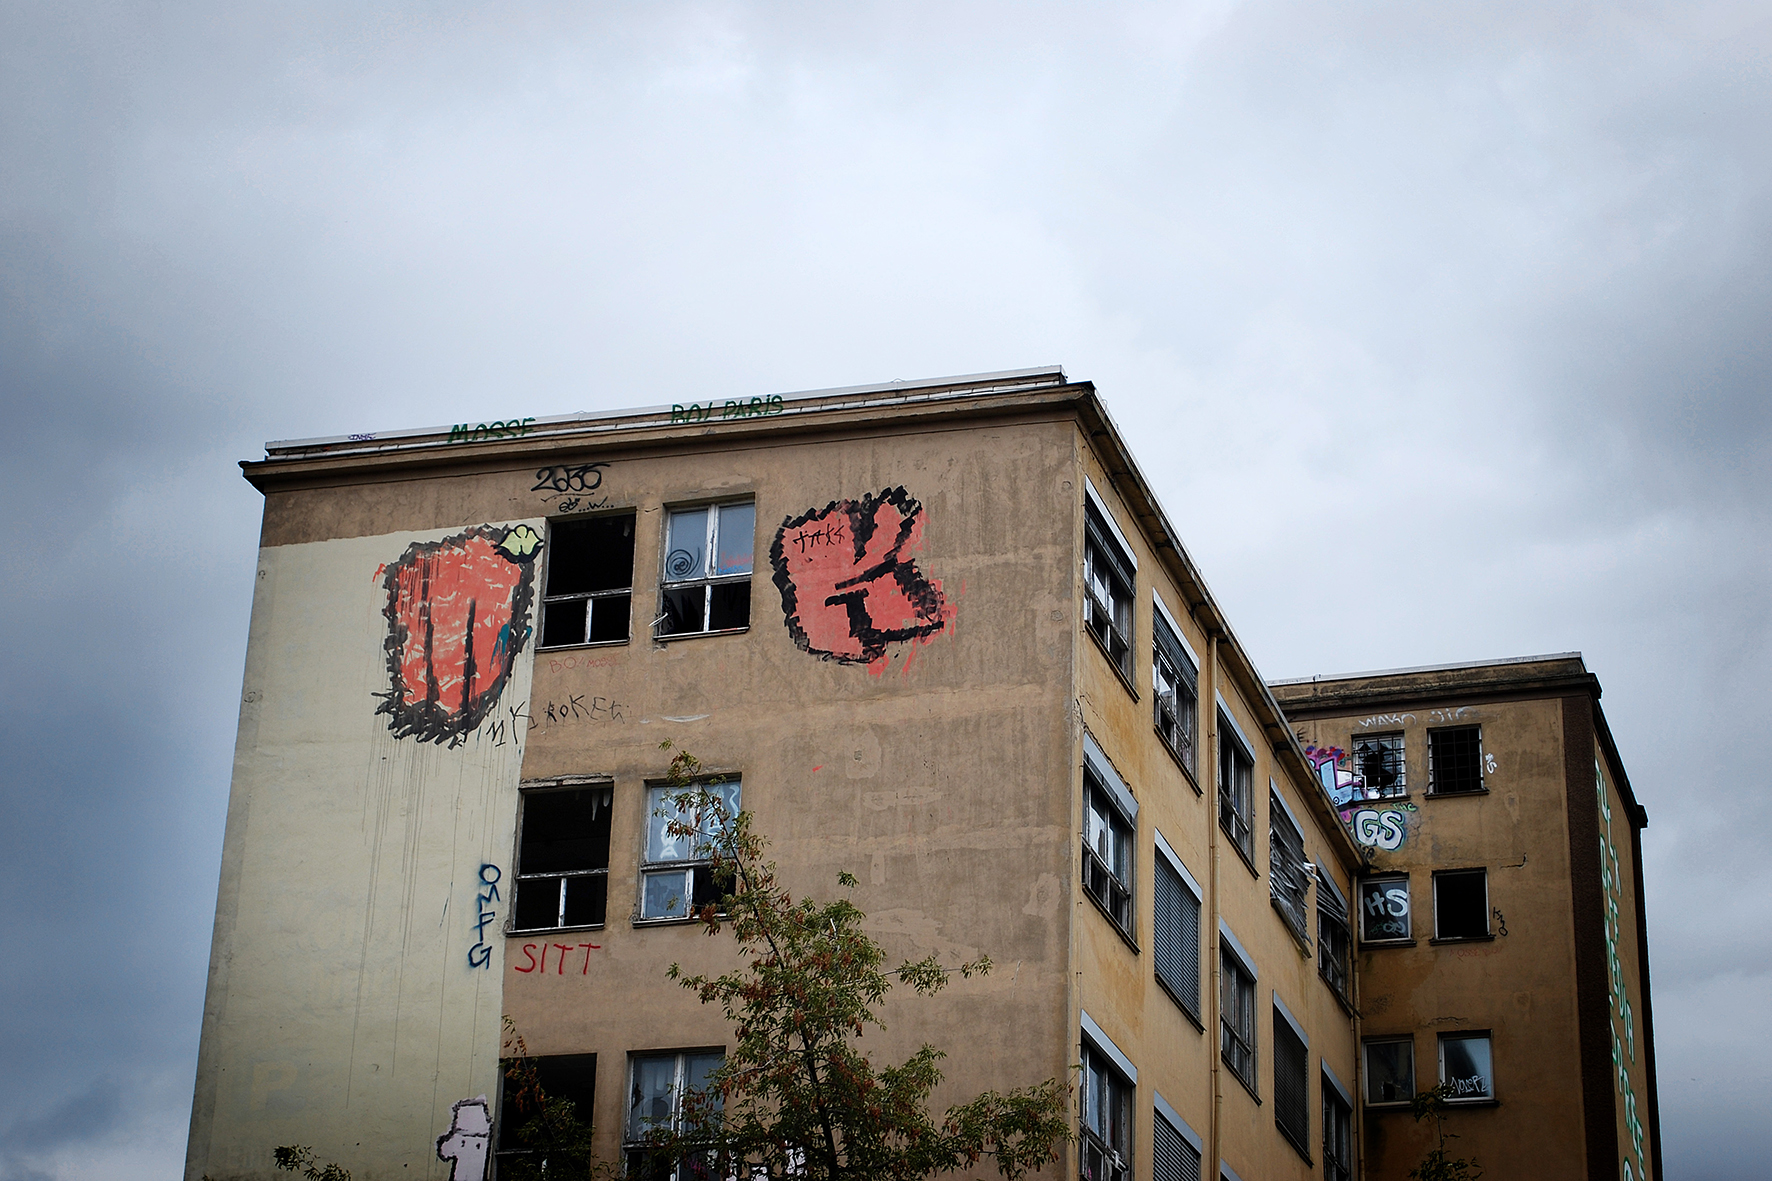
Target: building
<point x="939" y="635"/>
<point x="1502" y="944"/>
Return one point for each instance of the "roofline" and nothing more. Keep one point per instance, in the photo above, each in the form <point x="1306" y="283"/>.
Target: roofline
<point x="1429" y="668"/>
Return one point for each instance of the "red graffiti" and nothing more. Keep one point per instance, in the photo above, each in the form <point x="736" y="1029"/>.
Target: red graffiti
<point x="847" y="589"/>
<point x="458" y="614"/>
<point x="541" y="965"/>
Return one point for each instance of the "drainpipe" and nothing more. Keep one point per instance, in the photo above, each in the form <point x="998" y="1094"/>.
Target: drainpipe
<point x="1209" y="703"/>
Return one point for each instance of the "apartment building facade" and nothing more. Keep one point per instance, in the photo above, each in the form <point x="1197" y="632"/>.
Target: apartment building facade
<point x="1503" y="951"/>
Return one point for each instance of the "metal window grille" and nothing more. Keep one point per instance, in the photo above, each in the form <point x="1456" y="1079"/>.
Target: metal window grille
<point x="1292" y="1087"/>
<point x="1378" y="760"/>
<point x="1237" y="1017"/>
<point x="563" y="859"/>
<point x="1176" y="685"/>
<point x="590" y="579"/>
<point x="1287" y="883"/>
<point x="1108" y="583"/>
<point x="1338" y="1136"/>
<point x="1455" y="760"/>
<point x="1172" y="1157"/>
<point x="1175" y="930"/>
<point x="1236" y="773"/>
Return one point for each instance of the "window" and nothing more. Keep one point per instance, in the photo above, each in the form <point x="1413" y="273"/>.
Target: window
<point x="1236" y="774"/>
<point x="1107" y="849"/>
<point x="1384" y="909"/>
<point x="707" y="569"/>
<point x="563" y="858"/>
<point x="1236" y="1001"/>
<point x="1334" y="945"/>
<point x="572" y="1077"/>
<point x="657" y="1087"/>
<point x="1175" y="932"/>
<point x="1390" y="1070"/>
<point x="1288" y="881"/>
<point x="1338" y="1134"/>
<point x="1455" y="760"/>
<point x="1175" y="683"/>
<point x="675" y="877"/>
<point x="1292" y="1082"/>
<point x="1379" y="760"/>
<point x="590" y="581"/>
<point x="1461" y="904"/>
<point x="1107" y="583"/>
<point x="1466" y="1067"/>
<point x="1174" y="1155"/>
<point x="1107" y="1119"/>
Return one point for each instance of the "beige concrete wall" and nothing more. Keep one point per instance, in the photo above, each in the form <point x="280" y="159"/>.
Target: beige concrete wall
<point x="352" y="998"/>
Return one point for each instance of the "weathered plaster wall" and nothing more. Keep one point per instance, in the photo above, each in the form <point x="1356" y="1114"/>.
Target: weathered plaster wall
<point x="354" y="992"/>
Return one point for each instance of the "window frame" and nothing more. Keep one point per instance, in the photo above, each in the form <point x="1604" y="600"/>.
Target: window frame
<point x="709" y="578"/>
<point x="635" y="1150"/>
<point x="1335" y="939"/>
<point x="1366" y="1045"/>
<point x="1238" y="979"/>
<point x="1298" y="1105"/>
<point x="1235" y="753"/>
<point x="1338" y="1116"/>
<point x="1117" y="804"/>
<point x="507" y="1123"/>
<point x="1435" y="774"/>
<point x="1169" y="648"/>
<point x="1186" y="889"/>
<point x="692" y="865"/>
<point x="589" y="598"/>
<point x="1107" y="552"/>
<point x="1362" y="886"/>
<point x="1399" y="763"/>
<point x="1487" y="1037"/>
<point x="522" y="877"/>
<point x="1488" y="931"/>
<point x="1289" y="886"/>
<point x="1122" y="1102"/>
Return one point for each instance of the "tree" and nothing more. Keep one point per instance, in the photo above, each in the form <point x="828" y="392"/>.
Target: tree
<point x="555" y="1139"/>
<point x="1436" y="1165"/>
<point x="795" y="1096"/>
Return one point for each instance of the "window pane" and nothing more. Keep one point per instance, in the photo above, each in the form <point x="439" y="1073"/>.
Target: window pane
<point x="1384" y="909"/>
<point x="661" y="843"/>
<point x="563" y="623"/>
<point x="737" y="534"/>
<point x="731" y="606"/>
<point x="538" y="904"/>
<point x="1379" y="758"/>
<point x="1390" y="1072"/>
<point x="683" y="610"/>
<point x="565" y="830"/>
<point x="686" y="545"/>
<point x="609" y="618"/>
<point x="650" y="1101"/>
<point x="665" y="894"/>
<point x="590" y="555"/>
<point x="1461" y="905"/>
<point x="1455" y="759"/>
<point x="1465" y="1067"/>
<point x="587" y="899"/>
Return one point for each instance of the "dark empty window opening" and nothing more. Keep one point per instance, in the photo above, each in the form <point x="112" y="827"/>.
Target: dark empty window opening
<point x="1292" y="1084"/>
<point x="563" y="858"/>
<point x="1461" y="904"/>
<point x="1390" y="1070"/>
<point x="590" y="580"/>
<point x="1455" y="760"/>
<point x="568" y="1077"/>
<point x="1379" y="759"/>
<point x="1334" y="945"/>
<point x="707" y="569"/>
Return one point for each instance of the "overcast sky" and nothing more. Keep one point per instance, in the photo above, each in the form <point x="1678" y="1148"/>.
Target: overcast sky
<point x="1442" y="329"/>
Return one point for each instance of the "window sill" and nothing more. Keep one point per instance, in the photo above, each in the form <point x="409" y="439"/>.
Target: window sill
<point x="1112" y="921"/>
<point x="1462" y="939"/>
<point x="1248" y="858"/>
<point x="1473" y="1103"/>
<point x="1112" y="663"/>
<point x="1387" y="943"/>
<point x="1453" y="795"/>
<point x="730" y="631"/>
<point x="1247" y="1085"/>
<point x="621" y="643"/>
<point x="1374" y="801"/>
<point x="1301" y="1150"/>
<point x="1179" y="762"/>
<point x="1185" y="1011"/>
<point x="533" y="932"/>
<point x="1382" y="1108"/>
<point x="669" y="921"/>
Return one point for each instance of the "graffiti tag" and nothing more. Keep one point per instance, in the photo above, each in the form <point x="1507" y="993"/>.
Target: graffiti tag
<point x="480" y="955"/>
<point x="582" y="477"/>
<point x="458" y="614"/>
<point x="847" y="587"/>
<point x="541" y="964"/>
<point x="581" y="706"/>
<point x="732" y="408"/>
<point x="1386" y="720"/>
<point x="504" y="428"/>
<point x="1380" y="828"/>
<point x="1611" y="878"/>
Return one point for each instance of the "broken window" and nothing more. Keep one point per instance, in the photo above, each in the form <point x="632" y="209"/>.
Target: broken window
<point x="1236" y="998"/>
<point x="707" y="569"/>
<point x="1384" y="909"/>
<point x="1455" y="760"/>
<point x="1461" y="904"/>
<point x="1467" y="1067"/>
<point x="1292" y="1082"/>
<point x="1390" y="1070"/>
<point x="1107" y="850"/>
<point x="1175" y="683"/>
<point x="563" y="858"/>
<point x="568" y="1077"/>
<point x="1107" y="1118"/>
<point x="1338" y="1134"/>
<point x="1334" y="945"/>
<point x="669" y="1093"/>
<point x="590" y="579"/>
<point x="1107" y="583"/>
<point x="1288" y="880"/>
<point x="1175" y="935"/>
<point x="1236" y="774"/>
<point x="1378" y="759"/>
<point x="676" y="877"/>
